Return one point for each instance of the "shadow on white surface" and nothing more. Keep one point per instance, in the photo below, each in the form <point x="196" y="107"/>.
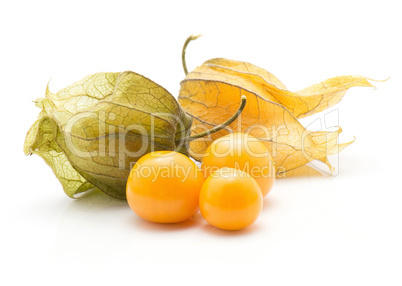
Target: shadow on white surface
<point x="195" y="223"/>
<point x="96" y="199"/>
<point x="230" y="233"/>
<point x="269" y="203"/>
<point x="144" y="225"/>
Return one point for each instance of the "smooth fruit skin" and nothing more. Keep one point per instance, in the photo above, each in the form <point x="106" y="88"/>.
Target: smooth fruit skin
<point x="164" y="187"/>
<point x="243" y="152"/>
<point x="230" y="199"/>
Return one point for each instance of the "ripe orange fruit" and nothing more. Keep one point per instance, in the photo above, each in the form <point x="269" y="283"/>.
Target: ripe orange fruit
<point x="243" y="152"/>
<point x="164" y="187"/>
<point x="230" y="199"/>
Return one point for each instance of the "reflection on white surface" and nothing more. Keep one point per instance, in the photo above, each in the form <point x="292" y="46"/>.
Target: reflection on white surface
<point x="95" y="229"/>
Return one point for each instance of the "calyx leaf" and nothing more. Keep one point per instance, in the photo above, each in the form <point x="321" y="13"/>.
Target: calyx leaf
<point x="302" y="103"/>
<point x="211" y="91"/>
<point x="92" y="132"/>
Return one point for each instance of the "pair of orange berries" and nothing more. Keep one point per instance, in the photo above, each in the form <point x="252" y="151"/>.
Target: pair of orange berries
<point x="168" y="187"/>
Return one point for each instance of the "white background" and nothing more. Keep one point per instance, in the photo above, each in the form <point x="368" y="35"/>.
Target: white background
<point x="341" y="230"/>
